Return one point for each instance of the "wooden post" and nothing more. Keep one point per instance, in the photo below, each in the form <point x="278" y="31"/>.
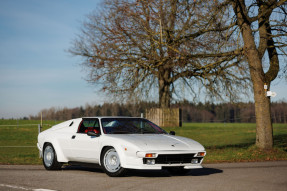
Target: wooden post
<point x="39" y="131"/>
<point x="41" y="119"/>
<point x="168" y="117"/>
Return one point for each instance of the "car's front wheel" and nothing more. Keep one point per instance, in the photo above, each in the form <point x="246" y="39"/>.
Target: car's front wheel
<point x="50" y="158"/>
<point x="110" y="162"/>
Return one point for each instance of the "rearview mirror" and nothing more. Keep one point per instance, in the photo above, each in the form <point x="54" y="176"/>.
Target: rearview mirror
<point x="92" y="133"/>
<point x="172" y="133"/>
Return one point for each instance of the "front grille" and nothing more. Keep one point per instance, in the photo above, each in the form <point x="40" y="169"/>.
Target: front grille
<point x="175" y="158"/>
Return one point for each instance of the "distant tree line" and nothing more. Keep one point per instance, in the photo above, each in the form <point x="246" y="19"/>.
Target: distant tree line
<point x="200" y="112"/>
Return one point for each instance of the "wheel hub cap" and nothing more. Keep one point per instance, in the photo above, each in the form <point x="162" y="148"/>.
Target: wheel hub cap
<point x="111" y="161"/>
<point x="48" y="156"/>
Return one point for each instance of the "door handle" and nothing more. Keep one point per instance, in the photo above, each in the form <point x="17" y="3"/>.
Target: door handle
<point x="74" y="136"/>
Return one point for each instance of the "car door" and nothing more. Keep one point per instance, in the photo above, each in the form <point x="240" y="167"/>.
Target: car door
<point x="85" y="148"/>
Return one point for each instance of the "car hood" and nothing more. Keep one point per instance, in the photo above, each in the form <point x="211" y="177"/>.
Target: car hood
<point x="159" y="142"/>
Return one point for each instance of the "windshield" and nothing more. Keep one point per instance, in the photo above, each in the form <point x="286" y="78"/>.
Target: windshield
<point x="130" y="126"/>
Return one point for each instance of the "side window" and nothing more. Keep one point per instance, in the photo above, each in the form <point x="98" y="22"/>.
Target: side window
<point x="89" y="125"/>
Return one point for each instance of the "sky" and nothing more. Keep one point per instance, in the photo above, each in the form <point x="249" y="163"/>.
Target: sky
<point x="36" y="70"/>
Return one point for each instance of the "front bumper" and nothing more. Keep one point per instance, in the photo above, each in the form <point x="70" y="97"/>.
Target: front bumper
<point x="187" y="159"/>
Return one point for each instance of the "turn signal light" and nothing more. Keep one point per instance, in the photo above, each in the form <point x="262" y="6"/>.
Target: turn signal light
<point x="150" y="155"/>
<point x="201" y="154"/>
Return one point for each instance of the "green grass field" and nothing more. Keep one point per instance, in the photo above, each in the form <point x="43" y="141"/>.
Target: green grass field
<point x="18" y="141"/>
<point x="234" y="142"/>
<point x="224" y="142"/>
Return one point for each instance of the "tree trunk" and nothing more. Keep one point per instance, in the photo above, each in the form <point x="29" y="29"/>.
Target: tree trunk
<point x="164" y="88"/>
<point x="264" y="129"/>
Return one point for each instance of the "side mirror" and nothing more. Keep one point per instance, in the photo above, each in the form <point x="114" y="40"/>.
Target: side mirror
<point x="92" y="133"/>
<point x="172" y="133"/>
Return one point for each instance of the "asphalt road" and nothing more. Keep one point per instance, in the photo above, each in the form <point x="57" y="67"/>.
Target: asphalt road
<point x="228" y="176"/>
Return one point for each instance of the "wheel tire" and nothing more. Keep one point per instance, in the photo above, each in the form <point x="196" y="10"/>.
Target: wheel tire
<point x="178" y="170"/>
<point x="110" y="162"/>
<point x="50" y="161"/>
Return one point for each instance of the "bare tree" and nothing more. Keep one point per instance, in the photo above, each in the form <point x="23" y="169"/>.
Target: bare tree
<point x="263" y="29"/>
<point x="134" y="48"/>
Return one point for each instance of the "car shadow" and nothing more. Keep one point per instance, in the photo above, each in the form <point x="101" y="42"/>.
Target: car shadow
<point x="148" y="173"/>
<point x="204" y="171"/>
<point x="130" y="172"/>
<point x="166" y="173"/>
<point x="83" y="168"/>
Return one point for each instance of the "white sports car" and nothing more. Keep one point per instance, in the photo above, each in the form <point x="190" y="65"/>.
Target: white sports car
<point x="118" y="144"/>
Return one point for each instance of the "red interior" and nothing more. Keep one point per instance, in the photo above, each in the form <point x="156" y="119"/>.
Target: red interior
<point x="91" y="129"/>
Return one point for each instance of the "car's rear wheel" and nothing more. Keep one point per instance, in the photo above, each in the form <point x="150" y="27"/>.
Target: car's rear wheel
<point x="50" y="158"/>
<point x="110" y="162"/>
